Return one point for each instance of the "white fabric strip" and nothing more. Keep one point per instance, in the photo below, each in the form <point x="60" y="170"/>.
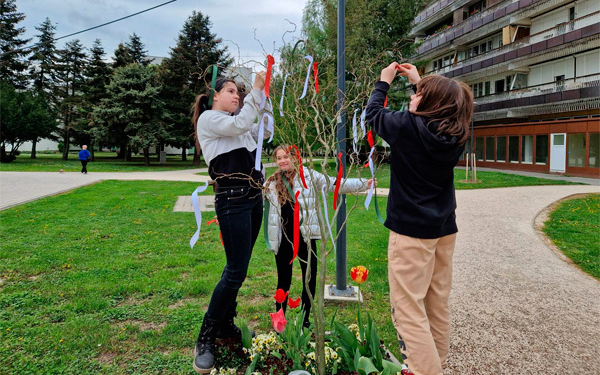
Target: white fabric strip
<point x="196" y="204"/>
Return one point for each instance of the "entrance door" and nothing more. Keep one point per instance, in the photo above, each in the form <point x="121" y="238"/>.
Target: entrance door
<point x="558" y="152"/>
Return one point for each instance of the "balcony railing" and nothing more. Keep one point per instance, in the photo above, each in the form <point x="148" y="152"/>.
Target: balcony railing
<point x="557" y="30"/>
<point x="592" y="80"/>
<point x="431" y="10"/>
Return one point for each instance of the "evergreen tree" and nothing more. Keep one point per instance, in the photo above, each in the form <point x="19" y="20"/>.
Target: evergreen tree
<point x="25" y="115"/>
<point x="70" y="81"/>
<point x="183" y="75"/>
<point x="133" y="110"/>
<point x="12" y="53"/>
<point x="136" y="50"/>
<point x="122" y="56"/>
<point x="97" y="76"/>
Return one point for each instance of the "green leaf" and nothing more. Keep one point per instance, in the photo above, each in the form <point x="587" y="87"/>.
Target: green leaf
<point x="246" y="336"/>
<point x="250" y="368"/>
<point x="365" y="364"/>
<point x="391" y="366"/>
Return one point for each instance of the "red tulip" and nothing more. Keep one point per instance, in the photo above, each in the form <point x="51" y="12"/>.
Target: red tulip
<point x="293" y="304"/>
<point x="278" y="320"/>
<point x="359" y="274"/>
<point x="280" y="295"/>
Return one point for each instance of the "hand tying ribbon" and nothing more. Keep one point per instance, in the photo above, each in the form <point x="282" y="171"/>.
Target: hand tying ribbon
<point x="310" y="59"/>
<point x="296" y="226"/>
<point x="300" y="167"/>
<point x="338" y="181"/>
<point x="197" y="212"/>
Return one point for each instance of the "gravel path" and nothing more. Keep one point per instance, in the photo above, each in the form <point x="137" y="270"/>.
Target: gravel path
<point x="517" y="308"/>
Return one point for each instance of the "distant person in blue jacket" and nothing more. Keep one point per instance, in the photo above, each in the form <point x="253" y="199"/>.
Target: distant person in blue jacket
<point x="84" y="157"/>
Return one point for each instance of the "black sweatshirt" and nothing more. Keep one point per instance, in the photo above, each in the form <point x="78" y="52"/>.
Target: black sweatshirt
<point x="421" y="202"/>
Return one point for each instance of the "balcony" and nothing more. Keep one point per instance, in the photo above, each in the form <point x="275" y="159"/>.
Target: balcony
<point x="576" y="94"/>
<point x="434" y="13"/>
<point x="549" y="38"/>
<point x="478" y="20"/>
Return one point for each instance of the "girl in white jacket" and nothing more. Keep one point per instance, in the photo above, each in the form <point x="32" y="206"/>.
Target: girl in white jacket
<point x="281" y="220"/>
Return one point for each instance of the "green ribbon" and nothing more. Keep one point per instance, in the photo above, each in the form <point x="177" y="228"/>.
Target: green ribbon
<point x="213" y="85"/>
<point x="287" y="185"/>
<point x="266" y="222"/>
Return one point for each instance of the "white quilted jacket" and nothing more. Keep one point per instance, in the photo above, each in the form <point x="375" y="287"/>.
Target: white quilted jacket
<point x="308" y="214"/>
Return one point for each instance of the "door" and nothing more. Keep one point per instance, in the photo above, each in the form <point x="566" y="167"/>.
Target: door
<point x="558" y="152"/>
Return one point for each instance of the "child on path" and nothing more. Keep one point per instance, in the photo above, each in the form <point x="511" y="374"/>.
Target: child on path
<point x="426" y="142"/>
<point x="281" y="220"/>
<point x="228" y="144"/>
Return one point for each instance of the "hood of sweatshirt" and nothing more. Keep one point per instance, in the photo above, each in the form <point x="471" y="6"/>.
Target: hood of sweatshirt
<point x="441" y="148"/>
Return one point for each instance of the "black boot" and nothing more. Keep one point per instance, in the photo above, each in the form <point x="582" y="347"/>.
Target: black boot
<point x="204" y="359"/>
<point x="228" y="329"/>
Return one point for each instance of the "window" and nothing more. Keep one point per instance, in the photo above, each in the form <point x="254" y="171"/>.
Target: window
<point x="576" y="150"/>
<point x="509" y="82"/>
<point x="483" y="47"/>
<point x="501" y="149"/>
<point x="560" y="81"/>
<point x="571" y="13"/>
<point x="513" y="149"/>
<point x="527" y="149"/>
<point x="479" y="148"/>
<point x="499" y="86"/>
<point x="489" y="148"/>
<point x="541" y="149"/>
<point x="487" y="88"/>
<point x="475" y="90"/>
<point x="594" y="160"/>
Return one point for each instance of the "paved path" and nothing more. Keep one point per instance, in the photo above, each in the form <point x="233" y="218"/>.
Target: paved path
<point x="517" y="308"/>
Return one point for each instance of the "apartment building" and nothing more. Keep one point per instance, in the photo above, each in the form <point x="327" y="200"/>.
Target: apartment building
<point x="534" y="68"/>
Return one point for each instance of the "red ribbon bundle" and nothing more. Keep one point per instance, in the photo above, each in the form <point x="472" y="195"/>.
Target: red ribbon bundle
<point x="296" y="226"/>
<point x="338" y="181"/>
<point x="300" y="167"/>
<point x="270" y="62"/>
<point x="316" y="77"/>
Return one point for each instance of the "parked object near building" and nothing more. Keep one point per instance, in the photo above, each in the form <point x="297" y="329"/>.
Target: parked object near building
<point x="534" y="68"/>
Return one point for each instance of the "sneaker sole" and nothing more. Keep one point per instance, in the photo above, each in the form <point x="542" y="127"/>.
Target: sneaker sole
<point x="198" y="369"/>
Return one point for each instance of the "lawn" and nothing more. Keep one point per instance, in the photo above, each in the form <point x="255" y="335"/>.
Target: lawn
<point x="103" y="162"/>
<point x="574" y="226"/>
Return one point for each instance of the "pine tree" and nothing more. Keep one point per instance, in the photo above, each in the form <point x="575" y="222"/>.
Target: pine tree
<point x="183" y="74"/>
<point x="12" y="53"/>
<point x="122" y="56"/>
<point x="70" y="81"/>
<point x="136" y="50"/>
<point x="133" y="109"/>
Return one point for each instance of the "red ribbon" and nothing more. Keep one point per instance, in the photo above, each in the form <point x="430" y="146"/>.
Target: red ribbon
<point x="220" y="234"/>
<point x="338" y="181"/>
<point x="385" y="103"/>
<point x="316" y="77"/>
<point x="370" y="138"/>
<point x="270" y="62"/>
<point x="300" y="167"/>
<point x="296" y="226"/>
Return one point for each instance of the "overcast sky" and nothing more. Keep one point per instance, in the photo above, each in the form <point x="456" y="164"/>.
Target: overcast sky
<point x="236" y="22"/>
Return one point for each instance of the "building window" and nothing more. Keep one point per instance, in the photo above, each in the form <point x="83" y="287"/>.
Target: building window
<point x="513" y="149"/>
<point x="594" y="160"/>
<point x="487" y="88"/>
<point x="489" y="148"/>
<point x="501" y="149"/>
<point x="499" y="86"/>
<point x="509" y="82"/>
<point x="571" y="13"/>
<point x="560" y="81"/>
<point x="576" y="144"/>
<point x="541" y="149"/>
<point x="479" y="148"/>
<point x="527" y="149"/>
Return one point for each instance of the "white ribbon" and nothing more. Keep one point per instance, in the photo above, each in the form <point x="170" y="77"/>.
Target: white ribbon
<point x="282" y="95"/>
<point x="327" y="216"/>
<point x="197" y="212"/>
<point x="310" y="59"/>
<point x="372" y="187"/>
<point x="261" y="135"/>
<point x="363" y="116"/>
<point x="354" y="131"/>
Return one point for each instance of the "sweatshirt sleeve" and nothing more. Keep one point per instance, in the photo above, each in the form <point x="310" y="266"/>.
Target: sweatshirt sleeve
<point x="218" y="125"/>
<point x="386" y="124"/>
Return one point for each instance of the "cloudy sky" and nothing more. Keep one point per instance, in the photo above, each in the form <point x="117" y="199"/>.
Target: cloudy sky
<point x="236" y="21"/>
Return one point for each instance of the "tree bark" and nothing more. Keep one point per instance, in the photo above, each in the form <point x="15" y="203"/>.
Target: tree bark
<point x="146" y="156"/>
<point x="34" y="148"/>
<point x="184" y="154"/>
<point x="65" y="155"/>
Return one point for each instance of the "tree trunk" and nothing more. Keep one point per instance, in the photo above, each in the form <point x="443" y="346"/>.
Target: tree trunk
<point x="147" y="156"/>
<point x="92" y="151"/>
<point x="128" y="154"/>
<point x="197" y="160"/>
<point x="184" y="154"/>
<point x="65" y="155"/>
<point x="33" y="148"/>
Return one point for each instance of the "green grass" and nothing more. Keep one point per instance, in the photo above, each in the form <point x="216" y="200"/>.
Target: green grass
<point x="104" y="162"/>
<point x="102" y="280"/>
<point x="574" y="226"/>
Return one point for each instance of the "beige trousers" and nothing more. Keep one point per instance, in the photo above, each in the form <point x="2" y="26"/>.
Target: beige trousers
<point x="420" y="276"/>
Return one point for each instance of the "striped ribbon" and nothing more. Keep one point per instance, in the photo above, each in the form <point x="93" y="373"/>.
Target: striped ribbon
<point x="196" y="205"/>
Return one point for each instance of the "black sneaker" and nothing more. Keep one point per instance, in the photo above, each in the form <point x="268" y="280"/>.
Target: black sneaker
<point x="204" y="359"/>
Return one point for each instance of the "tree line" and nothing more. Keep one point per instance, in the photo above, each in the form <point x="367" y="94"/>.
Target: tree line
<point x="75" y="95"/>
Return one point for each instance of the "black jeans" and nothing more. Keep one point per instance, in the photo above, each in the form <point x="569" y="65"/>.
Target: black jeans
<point x="239" y="210"/>
<point x="83" y="166"/>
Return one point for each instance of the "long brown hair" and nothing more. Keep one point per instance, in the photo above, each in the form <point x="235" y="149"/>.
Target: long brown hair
<point x="276" y="178"/>
<point x="447" y="102"/>
<point x="201" y="104"/>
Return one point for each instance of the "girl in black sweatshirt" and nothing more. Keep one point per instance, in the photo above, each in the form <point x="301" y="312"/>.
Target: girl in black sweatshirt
<point x="426" y="142"/>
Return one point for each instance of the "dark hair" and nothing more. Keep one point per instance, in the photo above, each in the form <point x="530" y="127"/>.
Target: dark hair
<point x="201" y="104"/>
<point x="283" y="194"/>
<point x="447" y="102"/>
